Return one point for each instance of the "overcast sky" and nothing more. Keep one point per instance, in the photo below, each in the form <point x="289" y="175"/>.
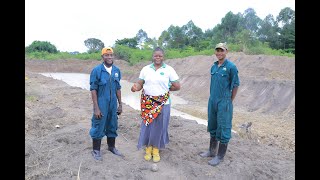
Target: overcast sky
<point x="68" y="23"/>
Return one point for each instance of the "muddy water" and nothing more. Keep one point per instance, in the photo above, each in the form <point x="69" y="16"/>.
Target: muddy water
<point x="132" y="99"/>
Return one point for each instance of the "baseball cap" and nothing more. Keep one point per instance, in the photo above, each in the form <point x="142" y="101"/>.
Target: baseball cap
<point x="221" y="46"/>
<point x="106" y="49"/>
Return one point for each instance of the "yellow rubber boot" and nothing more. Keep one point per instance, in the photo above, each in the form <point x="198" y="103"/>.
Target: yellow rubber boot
<point x="155" y="154"/>
<point x="148" y="156"/>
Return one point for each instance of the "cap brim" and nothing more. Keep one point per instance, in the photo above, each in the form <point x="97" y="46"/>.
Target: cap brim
<point x="220" y="48"/>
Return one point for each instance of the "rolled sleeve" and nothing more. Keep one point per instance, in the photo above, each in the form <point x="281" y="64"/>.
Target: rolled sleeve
<point x="93" y="80"/>
<point x="235" y="82"/>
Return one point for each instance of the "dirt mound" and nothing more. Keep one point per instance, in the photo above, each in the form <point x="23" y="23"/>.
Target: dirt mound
<point x="267" y="82"/>
<point x="265" y="151"/>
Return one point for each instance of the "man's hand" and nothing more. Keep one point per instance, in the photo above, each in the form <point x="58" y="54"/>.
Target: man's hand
<point x="97" y="113"/>
<point x="119" y="111"/>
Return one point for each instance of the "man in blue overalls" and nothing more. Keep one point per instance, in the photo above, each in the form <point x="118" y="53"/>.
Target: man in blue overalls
<point x="106" y="96"/>
<point x="223" y="89"/>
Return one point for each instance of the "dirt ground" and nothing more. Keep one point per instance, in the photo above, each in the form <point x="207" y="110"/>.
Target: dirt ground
<point x="265" y="98"/>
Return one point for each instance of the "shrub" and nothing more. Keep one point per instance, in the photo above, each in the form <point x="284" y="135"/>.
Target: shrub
<point x="41" y="46"/>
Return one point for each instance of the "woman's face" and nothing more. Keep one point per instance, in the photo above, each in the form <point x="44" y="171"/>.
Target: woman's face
<point x="157" y="57"/>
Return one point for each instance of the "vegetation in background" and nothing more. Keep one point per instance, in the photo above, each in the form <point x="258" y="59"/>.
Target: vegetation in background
<point x="243" y="32"/>
<point x="41" y="46"/>
<point x="62" y="55"/>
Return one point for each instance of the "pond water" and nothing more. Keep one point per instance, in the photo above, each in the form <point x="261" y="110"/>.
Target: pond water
<point x="129" y="98"/>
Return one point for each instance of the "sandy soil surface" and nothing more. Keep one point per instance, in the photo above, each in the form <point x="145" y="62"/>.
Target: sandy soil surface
<point x="265" y="98"/>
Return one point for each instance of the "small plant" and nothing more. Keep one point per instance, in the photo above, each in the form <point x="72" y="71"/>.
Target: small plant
<point x="31" y="98"/>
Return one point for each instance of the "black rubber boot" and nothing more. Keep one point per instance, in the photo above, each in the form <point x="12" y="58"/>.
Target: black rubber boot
<point x="219" y="158"/>
<point x="96" y="144"/>
<point x="212" y="148"/>
<point x="111" y="146"/>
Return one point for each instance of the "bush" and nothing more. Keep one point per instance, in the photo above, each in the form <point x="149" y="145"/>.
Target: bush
<point x="140" y="55"/>
<point x="172" y="53"/>
<point x="122" y="52"/>
<point x="41" y="46"/>
<point x="255" y="50"/>
<point x="235" y="47"/>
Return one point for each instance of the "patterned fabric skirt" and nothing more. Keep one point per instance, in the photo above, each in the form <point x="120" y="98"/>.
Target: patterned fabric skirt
<point x="151" y="106"/>
<point x="156" y="133"/>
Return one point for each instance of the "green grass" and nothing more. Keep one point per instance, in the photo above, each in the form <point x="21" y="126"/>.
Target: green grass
<point x="62" y="55"/>
<point x="134" y="56"/>
<point x="30" y="98"/>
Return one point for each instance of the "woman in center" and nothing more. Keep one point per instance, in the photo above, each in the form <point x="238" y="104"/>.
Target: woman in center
<point x="156" y="81"/>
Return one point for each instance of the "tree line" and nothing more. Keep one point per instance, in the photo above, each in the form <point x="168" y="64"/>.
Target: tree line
<point x="244" y="31"/>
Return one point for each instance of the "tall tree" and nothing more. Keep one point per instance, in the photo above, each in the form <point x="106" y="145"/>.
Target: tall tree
<point x="230" y="24"/>
<point x="286" y="19"/>
<point x="286" y="16"/>
<point x="94" y="45"/>
<point x="251" y="21"/>
<point x="193" y="34"/>
<point x="174" y="37"/>
<point x="208" y="34"/>
<point x="269" y="32"/>
<point x="164" y="38"/>
<point x="142" y="38"/>
<point x="219" y="35"/>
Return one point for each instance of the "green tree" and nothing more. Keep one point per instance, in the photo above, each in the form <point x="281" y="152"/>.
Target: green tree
<point x="269" y="32"/>
<point x="41" y="46"/>
<point x="230" y="24"/>
<point x="286" y="16"/>
<point x="245" y="39"/>
<point x="176" y="38"/>
<point x="142" y="38"/>
<point x="94" y="45"/>
<point x="192" y="34"/>
<point x="130" y="42"/>
<point x="164" y="38"/>
<point x="218" y="35"/>
<point x="251" y="21"/>
<point x="208" y="34"/>
<point x="286" y="19"/>
<point x="151" y="43"/>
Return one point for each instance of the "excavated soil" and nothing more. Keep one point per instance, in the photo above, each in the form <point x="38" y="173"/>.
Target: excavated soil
<point x="266" y="99"/>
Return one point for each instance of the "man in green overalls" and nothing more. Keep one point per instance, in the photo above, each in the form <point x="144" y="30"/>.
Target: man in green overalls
<point x="223" y="89"/>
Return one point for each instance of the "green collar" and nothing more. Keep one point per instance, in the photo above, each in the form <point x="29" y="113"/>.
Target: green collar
<point x="163" y="66"/>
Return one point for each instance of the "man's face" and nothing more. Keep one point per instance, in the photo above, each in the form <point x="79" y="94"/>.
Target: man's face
<point x="221" y="53"/>
<point x="108" y="58"/>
